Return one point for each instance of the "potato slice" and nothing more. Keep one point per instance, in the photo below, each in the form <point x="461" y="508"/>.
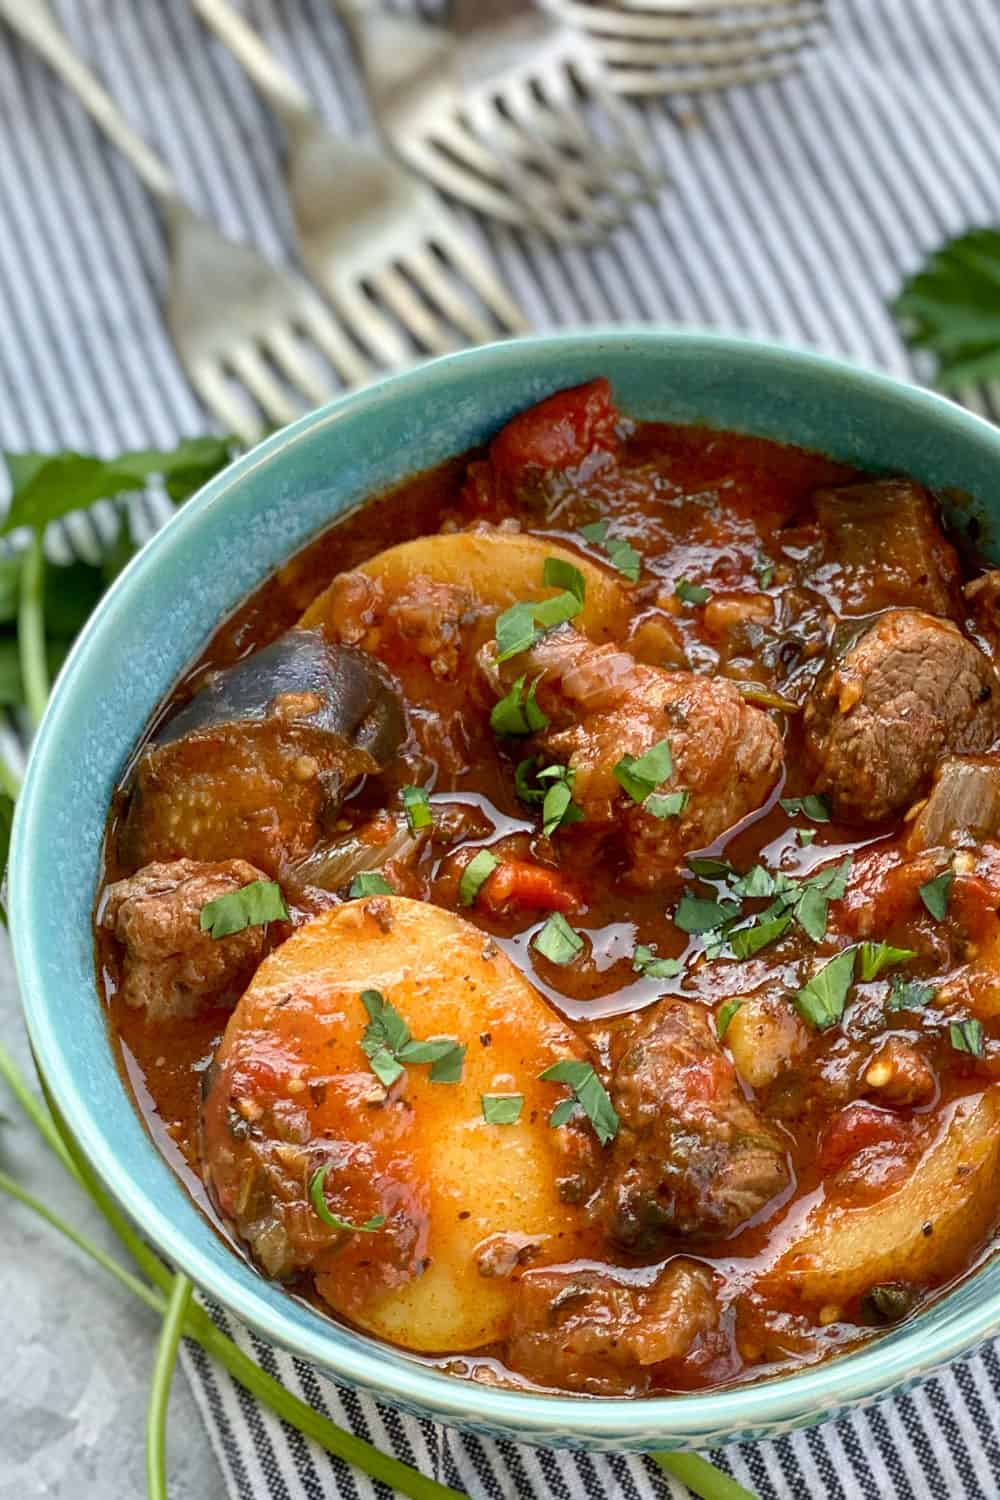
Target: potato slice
<point x="291" y="1068"/>
<point x="498" y="568"/>
<point x="955" y="1190"/>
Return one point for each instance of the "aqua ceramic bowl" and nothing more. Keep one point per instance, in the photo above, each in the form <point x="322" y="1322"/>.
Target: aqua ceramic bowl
<point x="157" y="617"/>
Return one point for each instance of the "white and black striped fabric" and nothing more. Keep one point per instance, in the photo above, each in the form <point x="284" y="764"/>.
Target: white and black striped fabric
<point x="794" y="210"/>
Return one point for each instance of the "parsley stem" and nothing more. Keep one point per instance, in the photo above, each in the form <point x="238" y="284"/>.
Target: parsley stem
<point x="31" y="629"/>
<point x="35" y="1109"/>
<point x="159" y="1391"/>
<point x="701" y="1477"/>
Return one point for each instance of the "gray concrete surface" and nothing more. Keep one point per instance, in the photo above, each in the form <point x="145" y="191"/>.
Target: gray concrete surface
<point x="75" y="1349"/>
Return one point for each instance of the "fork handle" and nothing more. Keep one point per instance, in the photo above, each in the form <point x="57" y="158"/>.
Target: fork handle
<point x="34" y="22"/>
<point x="288" y="101"/>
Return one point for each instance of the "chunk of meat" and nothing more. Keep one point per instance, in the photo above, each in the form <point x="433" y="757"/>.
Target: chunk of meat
<point x="258" y="762"/>
<point x="602" y="705"/>
<point x="172" y="968"/>
<point x="963" y="806"/>
<point x="584" y="1330"/>
<point x="883" y="544"/>
<point x="909" y="689"/>
<point x="693" y="1156"/>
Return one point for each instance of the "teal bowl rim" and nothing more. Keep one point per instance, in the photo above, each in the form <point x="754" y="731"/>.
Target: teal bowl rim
<point x="767" y="1406"/>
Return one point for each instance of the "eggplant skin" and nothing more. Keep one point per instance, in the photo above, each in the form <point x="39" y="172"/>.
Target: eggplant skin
<point x="257" y="764"/>
<point x="357" y="700"/>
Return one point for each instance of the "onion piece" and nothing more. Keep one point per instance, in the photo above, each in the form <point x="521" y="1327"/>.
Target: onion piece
<point x="335" y="863"/>
<point x="765" y="697"/>
<point x="964" y="803"/>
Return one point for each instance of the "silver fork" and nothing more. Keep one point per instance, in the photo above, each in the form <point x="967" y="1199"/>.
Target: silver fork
<point x="694" y="46"/>
<point x="489" y="111"/>
<point x="235" y="319"/>
<point x="370" y="234"/>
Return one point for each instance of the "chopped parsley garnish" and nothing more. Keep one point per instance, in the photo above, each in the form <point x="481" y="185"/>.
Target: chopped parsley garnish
<point x="479" y="869"/>
<point x="640" y="775"/>
<point x="909" y="994"/>
<point x="520" y="626"/>
<point x="707" y="868"/>
<point x="966" y="1036"/>
<point x="805" y="836"/>
<point x="764" y="569"/>
<point x="418" y="808"/>
<point x="388" y="1045"/>
<point x="888" y="1302"/>
<point x="667" y="804"/>
<point x="696" y="914"/>
<point x="517" y="713"/>
<point x="502" y="1109"/>
<point x="725" y="1014"/>
<point x="934" y="894"/>
<point x="318" y="1200"/>
<point x="523" y="772"/>
<point x="515" y="630"/>
<point x="557" y="941"/>
<point x="558" y="807"/>
<point x="757" y="882"/>
<point x="878" y="956"/>
<point x="645" y="961"/>
<point x="750" y="940"/>
<point x="810" y="806"/>
<point x="821" y="1002"/>
<point x="692" y="593"/>
<point x="370" y="883"/>
<point x="589" y="1094"/>
<point x="253" y="905"/>
<point x="557" y="573"/>
<point x="620" y="554"/>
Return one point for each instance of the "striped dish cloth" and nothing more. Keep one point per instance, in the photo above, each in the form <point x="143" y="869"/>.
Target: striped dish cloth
<point x="794" y="209"/>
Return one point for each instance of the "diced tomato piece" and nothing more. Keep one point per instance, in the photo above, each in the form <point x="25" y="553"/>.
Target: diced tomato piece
<point x="521" y="882"/>
<point x="558" y="433"/>
<point x="856" y="1127"/>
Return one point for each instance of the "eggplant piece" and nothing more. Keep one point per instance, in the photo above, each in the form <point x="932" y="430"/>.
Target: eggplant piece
<point x="256" y="766"/>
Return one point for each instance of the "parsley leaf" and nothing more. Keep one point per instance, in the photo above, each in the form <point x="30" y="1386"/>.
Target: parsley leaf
<point x="642" y="774"/>
<point x="692" y="593"/>
<point x="821" y="1002"/>
<point x="707" y="868"/>
<point x="725" y="1014"/>
<point x="756" y="882"/>
<point x="558" y="609"/>
<point x="811" y="806"/>
<point x="388" y="1045"/>
<point x="502" y="1109"/>
<point x="479" y="869"/>
<point x="515" y="630"/>
<point x="878" y="956"/>
<point x="645" y="961"/>
<point x="517" y="713"/>
<point x="620" y="554"/>
<point x="418" y="808"/>
<point x="318" y="1200"/>
<point x="908" y="994"/>
<point x="934" y="894"/>
<point x="667" y="804"/>
<point x="966" y="1036"/>
<point x="557" y="940"/>
<point x="557" y="573"/>
<point x="558" y="808"/>
<point x="750" y="940"/>
<point x="253" y="905"/>
<point x="764" y="569"/>
<point x="523" y="772"/>
<point x="47" y="486"/>
<point x="952" y="307"/>
<point x="369" y="883"/>
<point x="589" y="1092"/>
<point x="696" y="914"/>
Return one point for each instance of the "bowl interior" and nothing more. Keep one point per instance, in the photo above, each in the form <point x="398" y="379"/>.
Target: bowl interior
<point x="160" y="613"/>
